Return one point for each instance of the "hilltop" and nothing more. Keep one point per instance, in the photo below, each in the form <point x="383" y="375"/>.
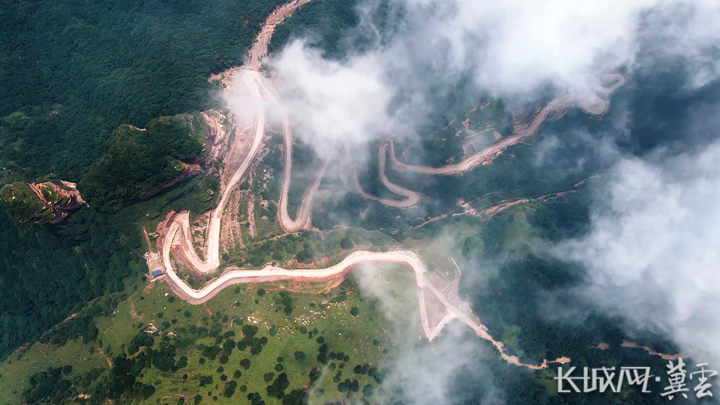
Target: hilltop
<point x="41" y="203"/>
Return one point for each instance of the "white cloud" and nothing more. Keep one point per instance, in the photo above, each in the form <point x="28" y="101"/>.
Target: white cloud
<point x="653" y="252"/>
<point x="510" y="47"/>
<point x="333" y="104"/>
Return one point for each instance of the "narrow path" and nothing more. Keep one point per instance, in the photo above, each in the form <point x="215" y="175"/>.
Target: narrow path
<point x="652" y="352"/>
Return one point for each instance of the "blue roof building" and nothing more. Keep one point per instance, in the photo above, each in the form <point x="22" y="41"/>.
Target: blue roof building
<point x="156" y="273"/>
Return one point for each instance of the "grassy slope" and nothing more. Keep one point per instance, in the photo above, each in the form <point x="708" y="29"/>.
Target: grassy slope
<point x="353" y="335"/>
<point x="16" y="370"/>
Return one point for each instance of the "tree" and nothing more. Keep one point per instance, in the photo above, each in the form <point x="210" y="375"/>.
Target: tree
<point x="346" y="243"/>
<point x="354" y="311"/>
<point x="354" y="386"/>
<point x="249" y="331"/>
<point x="300" y="355"/>
<point x="297" y="396"/>
<point x="228" y="346"/>
<point x="229" y="389"/>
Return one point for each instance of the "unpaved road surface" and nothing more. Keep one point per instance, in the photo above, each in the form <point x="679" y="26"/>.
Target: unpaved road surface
<point x="411" y="197"/>
<point x="303" y="216"/>
<point x="595" y="106"/>
<point x="257" y="53"/>
<point x="181" y="222"/>
<point x="273" y="273"/>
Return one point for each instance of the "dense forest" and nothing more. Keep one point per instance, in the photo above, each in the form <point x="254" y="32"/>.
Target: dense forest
<point x="141" y="160"/>
<point x="47" y="272"/>
<point x="73" y="71"/>
<point x="323" y="23"/>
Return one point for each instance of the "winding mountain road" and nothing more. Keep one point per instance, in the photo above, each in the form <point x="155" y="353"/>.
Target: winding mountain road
<point x="411" y="197"/>
<point x="179" y="223"/>
<point x="594" y="105"/>
<point x="175" y="232"/>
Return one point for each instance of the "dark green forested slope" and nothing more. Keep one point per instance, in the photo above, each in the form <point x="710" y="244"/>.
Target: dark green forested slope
<point x="72" y="71"/>
<point x="321" y="22"/>
<point x="141" y="160"/>
<point x="46" y="272"/>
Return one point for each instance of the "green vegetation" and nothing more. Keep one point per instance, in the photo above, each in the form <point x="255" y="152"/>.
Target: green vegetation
<point x="141" y="160"/>
<point x="324" y="21"/>
<point x="49" y="194"/>
<point x="306" y="248"/>
<point x="156" y="352"/>
<point x="79" y="76"/>
<point x="62" y="267"/>
<point x="77" y="70"/>
<point x="21" y="202"/>
<point x="305" y="169"/>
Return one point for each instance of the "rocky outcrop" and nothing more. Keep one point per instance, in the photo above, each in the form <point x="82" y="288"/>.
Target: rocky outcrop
<point x="49" y="202"/>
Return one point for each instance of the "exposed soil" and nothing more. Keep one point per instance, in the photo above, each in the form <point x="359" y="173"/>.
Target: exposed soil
<point x="188" y="172"/>
<point x="251" y="216"/>
<point x="258" y="51"/>
<point x="68" y="200"/>
<point x="653" y="352"/>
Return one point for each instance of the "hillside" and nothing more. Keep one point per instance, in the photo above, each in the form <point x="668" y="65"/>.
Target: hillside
<point x="41" y="203"/>
<point x="356" y="202"/>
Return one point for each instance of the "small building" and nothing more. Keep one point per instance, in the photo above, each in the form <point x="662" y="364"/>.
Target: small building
<point x="156" y="273"/>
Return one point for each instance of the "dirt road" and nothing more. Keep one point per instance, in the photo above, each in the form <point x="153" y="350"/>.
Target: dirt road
<point x="411" y="197"/>
<point x="181" y="222"/>
<point x="255" y="85"/>
<point x="595" y="106"/>
<point x="257" y="53"/>
<point x="273" y="273"/>
<point x="303" y="216"/>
